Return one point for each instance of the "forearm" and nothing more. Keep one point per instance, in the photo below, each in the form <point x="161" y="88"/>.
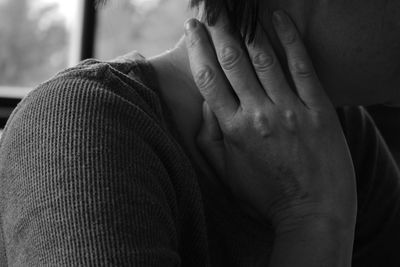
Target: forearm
<point x="316" y="244"/>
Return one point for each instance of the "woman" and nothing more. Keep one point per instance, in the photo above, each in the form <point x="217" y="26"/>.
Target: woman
<point x="100" y="165"/>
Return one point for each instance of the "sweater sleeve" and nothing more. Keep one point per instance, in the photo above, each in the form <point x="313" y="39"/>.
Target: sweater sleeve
<point x="81" y="180"/>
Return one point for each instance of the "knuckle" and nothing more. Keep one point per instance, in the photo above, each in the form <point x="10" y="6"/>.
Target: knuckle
<point x="233" y="132"/>
<point x="318" y="120"/>
<point x="263" y="61"/>
<point x="290" y="120"/>
<point x="289" y="37"/>
<point x="230" y="57"/>
<point x="232" y="129"/>
<point x="204" y="77"/>
<point x="194" y="41"/>
<point x="261" y="123"/>
<point x="302" y="69"/>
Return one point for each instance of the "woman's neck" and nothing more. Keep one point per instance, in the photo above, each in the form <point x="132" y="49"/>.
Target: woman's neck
<point x="174" y="62"/>
<point x="180" y="94"/>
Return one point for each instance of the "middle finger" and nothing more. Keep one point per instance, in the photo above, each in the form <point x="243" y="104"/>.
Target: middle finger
<point x="236" y="64"/>
<point x="269" y="70"/>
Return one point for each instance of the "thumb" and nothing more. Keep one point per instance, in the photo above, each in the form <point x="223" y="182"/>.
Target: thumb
<point x="210" y="140"/>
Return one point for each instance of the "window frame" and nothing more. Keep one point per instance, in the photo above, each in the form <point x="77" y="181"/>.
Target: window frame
<point x="84" y="43"/>
<point x="82" y="47"/>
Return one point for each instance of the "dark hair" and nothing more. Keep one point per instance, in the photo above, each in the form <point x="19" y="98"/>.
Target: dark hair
<point x="100" y="3"/>
<point x="243" y="14"/>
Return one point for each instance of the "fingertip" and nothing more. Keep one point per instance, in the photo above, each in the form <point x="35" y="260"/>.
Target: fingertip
<point x="280" y="19"/>
<point x="285" y="28"/>
<point x="190" y="25"/>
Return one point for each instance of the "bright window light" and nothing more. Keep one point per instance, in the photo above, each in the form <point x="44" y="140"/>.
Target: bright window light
<point x="148" y="26"/>
<point x="38" y="38"/>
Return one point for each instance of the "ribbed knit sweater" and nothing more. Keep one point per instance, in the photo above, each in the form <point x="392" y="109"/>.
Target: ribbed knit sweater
<point x="90" y="176"/>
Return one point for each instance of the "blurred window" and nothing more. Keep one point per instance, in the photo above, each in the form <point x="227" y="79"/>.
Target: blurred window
<point x="38" y="38"/>
<point x="148" y="26"/>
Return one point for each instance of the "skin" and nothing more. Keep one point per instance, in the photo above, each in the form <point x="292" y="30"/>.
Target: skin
<point x="281" y="154"/>
<point x="352" y="44"/>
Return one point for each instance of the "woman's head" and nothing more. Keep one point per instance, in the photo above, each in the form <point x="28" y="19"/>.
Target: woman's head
<point x="354" y="44"/>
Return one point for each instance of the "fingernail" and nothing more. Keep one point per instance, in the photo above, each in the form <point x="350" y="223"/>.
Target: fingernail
<point x="190" y="25"/>
<point x="280" y="18"/>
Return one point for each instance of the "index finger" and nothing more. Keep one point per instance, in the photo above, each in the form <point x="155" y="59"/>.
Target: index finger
<point x="207" y="73"/>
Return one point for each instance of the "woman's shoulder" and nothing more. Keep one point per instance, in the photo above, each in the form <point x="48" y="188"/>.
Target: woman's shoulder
<point x="93" y="89"/>
<point x="129" y="77"/>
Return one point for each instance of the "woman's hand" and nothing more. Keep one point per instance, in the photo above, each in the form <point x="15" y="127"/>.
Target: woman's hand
<point x="280" y="150"/>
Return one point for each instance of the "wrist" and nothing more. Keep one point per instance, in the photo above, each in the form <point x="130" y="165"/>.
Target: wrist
<point x="319" y="227"/>
<point x="303" y="216"/>
<point x="327" y="225"/>
<point x="314" y="243"/>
